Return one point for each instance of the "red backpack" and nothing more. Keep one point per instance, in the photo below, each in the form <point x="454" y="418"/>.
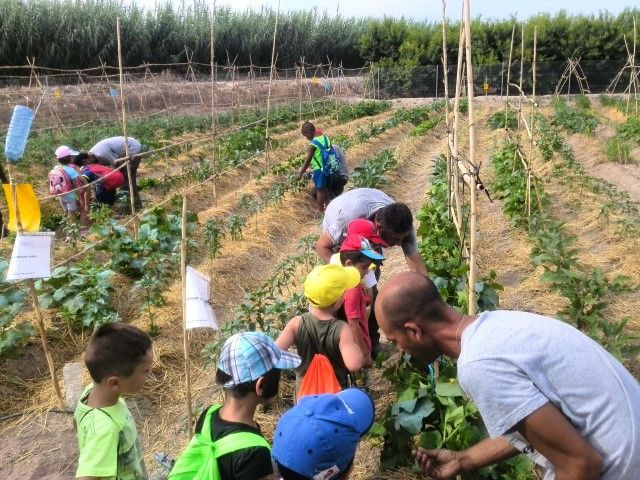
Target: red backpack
<point x="113" y="181"/>
<point x="60" y="182"/>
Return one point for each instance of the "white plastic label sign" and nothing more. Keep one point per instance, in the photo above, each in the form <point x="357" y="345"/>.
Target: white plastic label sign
<point x="31" y="256"/>
<point x="199" y="312"/>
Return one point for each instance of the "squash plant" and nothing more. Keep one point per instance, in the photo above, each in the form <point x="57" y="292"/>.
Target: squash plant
<point x="13" y="333"/>
<point x="80" y="293"/>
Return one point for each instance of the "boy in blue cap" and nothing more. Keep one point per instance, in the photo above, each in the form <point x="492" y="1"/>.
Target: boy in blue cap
<point x="317" y="439"/>
<point x="227" y="438"/>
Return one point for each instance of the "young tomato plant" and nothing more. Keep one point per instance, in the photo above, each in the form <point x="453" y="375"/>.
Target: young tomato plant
<point x="13" y="333"/>
<point x="214" y="232"/>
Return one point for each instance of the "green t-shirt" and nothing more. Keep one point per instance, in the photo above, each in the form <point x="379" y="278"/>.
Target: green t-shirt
<point x="108" y="441"/>
<point x="316" y="161"/>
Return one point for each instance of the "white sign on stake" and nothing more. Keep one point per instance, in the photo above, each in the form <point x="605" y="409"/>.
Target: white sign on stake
<point x="199" y="312"/>
<point x="31" y="256"/>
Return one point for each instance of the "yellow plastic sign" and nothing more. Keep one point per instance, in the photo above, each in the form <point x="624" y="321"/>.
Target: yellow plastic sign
<point x="314" y="80"/>
<point x="485" y="87"/>
<point x="57" y="93"/>
<point x="27" y="205"/>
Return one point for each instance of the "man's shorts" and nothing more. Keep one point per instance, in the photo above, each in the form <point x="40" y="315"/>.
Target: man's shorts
<point x="319" y="179"/>
<point x="69" y="202"/>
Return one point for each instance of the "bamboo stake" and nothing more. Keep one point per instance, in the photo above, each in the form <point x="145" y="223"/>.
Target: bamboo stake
<point x="185" y="336"/>
<point x="506" y="103"/>
<point x="125" y="132"/>
<point x="533" y="109"/>
<point x="521" y="72"/>
<point x="457" y="218"/>
<point x="472" y="156"/>
<point x="446" y="105"/>
<point x="213" y="102"/>
<point x="34" y="295"/>
<point x="273" y="53"/>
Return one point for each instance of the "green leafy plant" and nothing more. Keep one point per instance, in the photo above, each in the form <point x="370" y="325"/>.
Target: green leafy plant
<point x="618" y="150"/>
<point x="630" y="130"/>
<point x="81" y="293"/>
<point x="575" y="120"/>
<point x="13" y="333"/>
<point x="502" y="119"/>
<point x="214" y="232"/>
<point x="370" y="173"/>
<point x="235" y="224"/>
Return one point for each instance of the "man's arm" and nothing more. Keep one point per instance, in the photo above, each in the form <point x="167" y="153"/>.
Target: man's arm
<point x="441" y="464"/>
<point x="551" y="434"/>
<point x="415" y="263"/>
<point x="324" y="247"/>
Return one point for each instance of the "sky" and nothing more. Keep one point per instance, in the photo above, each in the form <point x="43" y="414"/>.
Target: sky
<point x="429" y="9"/>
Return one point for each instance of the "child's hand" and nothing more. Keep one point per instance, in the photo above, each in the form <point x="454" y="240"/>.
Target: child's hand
<point x="301" y="172"/>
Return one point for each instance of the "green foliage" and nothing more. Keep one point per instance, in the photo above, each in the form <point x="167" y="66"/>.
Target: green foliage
<point x="609" y="101"/>
<point x="235" y="224"/>
<point x="502" y="119"/>
<point x="366" y="108"/>
<point x="583" y="102"/>
<point x="425" y="127"/>
<point x="52" y="222"/>
<point x="575" y="120"/>
<point x="618" y="150"/>
<point x="13" y="333"/>
<point x="510" y="185"/>
<point x="370" y="173"/>
<point x="214" y="232"/>
<point x="415" y="116"/>
<point x="630" y="130"/>
<point x="81" y="293"/>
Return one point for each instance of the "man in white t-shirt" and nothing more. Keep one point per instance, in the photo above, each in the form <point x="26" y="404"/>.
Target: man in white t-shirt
<point x="393" y="225"/>
<point x="542" y="387"/>
<point x="111" y="152"/>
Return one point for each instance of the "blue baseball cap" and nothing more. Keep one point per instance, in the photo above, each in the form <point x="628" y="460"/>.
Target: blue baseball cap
<point x="318" y="438"/>
<point x="247" y="356"/>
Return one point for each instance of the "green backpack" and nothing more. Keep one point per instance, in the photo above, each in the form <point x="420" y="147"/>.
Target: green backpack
<point x="199" y="461"/>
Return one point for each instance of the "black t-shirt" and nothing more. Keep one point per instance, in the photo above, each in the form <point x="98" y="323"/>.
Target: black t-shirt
<point x="247" y="464"/>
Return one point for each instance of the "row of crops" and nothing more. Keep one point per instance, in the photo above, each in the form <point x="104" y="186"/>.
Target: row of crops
<point x="431" y="411"/>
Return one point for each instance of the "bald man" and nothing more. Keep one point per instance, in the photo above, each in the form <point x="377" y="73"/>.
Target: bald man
<point x="541" y="386"/>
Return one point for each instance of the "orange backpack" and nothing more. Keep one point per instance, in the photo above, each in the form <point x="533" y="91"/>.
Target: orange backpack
<point x="320" y="378"/>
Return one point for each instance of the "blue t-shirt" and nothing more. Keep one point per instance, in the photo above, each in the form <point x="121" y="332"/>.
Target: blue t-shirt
<point x="72" y="174"/>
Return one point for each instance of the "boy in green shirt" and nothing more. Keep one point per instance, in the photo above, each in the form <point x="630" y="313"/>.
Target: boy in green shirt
<point x="314" y="159"/>
<point x="119" y="359"/>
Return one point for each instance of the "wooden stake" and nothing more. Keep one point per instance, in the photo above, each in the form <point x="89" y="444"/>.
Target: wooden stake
<point x="506" y="103"/>
<point x="472" y="156"/>
<point x="533" y="109"/>
<point x="273" y="53"/>
<point x="213" y="102"/>
<point x="34" y="295"/>
<point x="446" y="105"/>
<point x="454" y="138"/>
<point x="185" y="336"/>
<point x="521" y="72"/>
<point x="125" y="132"/>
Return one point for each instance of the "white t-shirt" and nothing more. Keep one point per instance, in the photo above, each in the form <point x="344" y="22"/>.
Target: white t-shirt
<point x="355" y="204"/>
<point x="512" y="363"/>
<point x="111" y="149"/>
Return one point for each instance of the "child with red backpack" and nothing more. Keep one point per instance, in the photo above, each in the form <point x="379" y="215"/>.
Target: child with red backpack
<point x="107" y="180"/>
<point x="319" y="331"/>
<point x="64" y="179"/>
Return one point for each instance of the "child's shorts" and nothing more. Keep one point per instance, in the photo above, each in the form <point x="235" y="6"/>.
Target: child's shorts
<point x="319" y="179"/>
<point x="69" y="203"/>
